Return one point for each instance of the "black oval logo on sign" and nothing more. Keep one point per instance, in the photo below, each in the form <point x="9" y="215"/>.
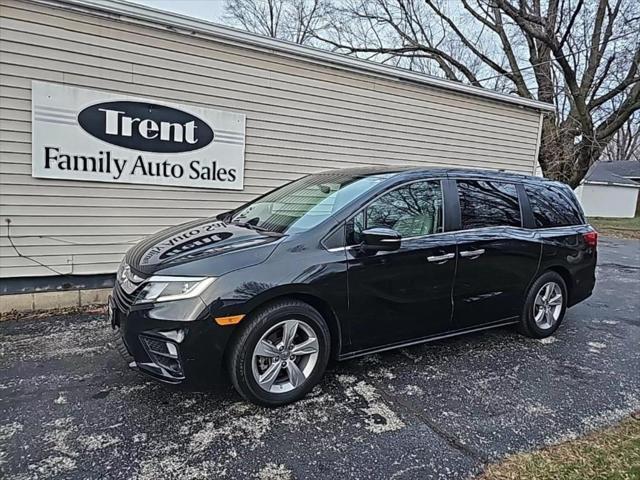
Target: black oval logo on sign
<point x="145" y="126"/>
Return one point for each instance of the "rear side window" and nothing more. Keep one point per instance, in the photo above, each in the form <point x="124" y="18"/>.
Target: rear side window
<point x="552" y="207"/>
<point x="488" y="204"/>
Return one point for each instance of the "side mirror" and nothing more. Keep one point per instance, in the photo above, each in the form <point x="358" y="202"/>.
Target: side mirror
<point x="381" y="239"/>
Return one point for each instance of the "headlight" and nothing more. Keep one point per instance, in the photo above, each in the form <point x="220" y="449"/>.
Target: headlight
<point x="165" y="289"/>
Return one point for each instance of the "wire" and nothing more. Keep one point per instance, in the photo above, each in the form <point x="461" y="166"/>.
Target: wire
<point x="130" y="242"/>
<point x="58" y="239"/>
<point x="57" y="272"/>
<point x="8" y="220"/>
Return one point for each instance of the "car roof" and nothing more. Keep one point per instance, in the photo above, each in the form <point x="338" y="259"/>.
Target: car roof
<point x="408" y="172"/>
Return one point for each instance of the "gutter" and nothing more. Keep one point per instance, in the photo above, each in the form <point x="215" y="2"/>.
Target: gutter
<point x="611" y="184"/>
<point x="189" y="26"/>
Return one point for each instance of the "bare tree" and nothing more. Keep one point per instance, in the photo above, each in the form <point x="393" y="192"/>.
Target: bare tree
<point x="291" y="20"/>
<point x="581" y="56"/>
<point x="625" y="143"/>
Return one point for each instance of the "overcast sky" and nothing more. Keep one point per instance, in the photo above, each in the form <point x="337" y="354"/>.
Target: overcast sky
<point x="205" y="9"/>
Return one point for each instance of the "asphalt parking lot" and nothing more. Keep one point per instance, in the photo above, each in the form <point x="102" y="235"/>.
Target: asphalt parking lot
<point x="70" y="408"/>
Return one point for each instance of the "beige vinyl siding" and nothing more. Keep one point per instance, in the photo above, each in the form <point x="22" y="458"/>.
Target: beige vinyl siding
<point x="302" y="117"/>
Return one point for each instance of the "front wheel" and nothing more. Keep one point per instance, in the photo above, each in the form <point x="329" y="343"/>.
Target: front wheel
<point x="545" y="306"/>
<point x="280" y="353"/>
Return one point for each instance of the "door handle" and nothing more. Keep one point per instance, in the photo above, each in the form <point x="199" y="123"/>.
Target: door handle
<point x="472" y="253"/>
<point x="441" y="258"/>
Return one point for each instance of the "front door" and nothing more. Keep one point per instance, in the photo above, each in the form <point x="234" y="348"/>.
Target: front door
<point x="398" y="296"/>
<point x="497" y="258"/>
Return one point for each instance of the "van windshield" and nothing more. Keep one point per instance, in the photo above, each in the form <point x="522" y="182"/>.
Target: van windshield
<point x="303" y="204"/>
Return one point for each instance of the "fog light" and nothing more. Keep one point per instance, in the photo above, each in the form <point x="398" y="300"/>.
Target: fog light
<point x="163" y="353"/>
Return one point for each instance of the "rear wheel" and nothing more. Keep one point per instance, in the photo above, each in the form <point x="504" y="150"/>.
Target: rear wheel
<point x="280" y="353"/>
<point x="545" y="306"/>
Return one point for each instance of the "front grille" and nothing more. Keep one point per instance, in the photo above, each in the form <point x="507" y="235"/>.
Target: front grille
<point x="123" y="300"/>
<point x="126" y="288"/>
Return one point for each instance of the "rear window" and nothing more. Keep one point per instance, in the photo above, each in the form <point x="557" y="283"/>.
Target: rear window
<point x="488" y="204"/>
<point x="552" y="206"/>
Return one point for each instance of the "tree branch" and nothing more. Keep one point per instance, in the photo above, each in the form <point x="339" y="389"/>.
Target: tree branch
<point x="630" y="78"/>
<point x="614" y="121"/>
<point x="517" y="77"/>
<point x="571" y="22"/>
<point x="470" y="45"/>
<point x="410" y="49"/>
<point x="593" y="58"/>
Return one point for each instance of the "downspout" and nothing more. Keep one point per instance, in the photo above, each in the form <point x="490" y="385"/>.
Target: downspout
<point x="537" y="152"/>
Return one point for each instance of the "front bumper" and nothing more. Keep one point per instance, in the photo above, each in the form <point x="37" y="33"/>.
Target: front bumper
<point x="171" y="351"/>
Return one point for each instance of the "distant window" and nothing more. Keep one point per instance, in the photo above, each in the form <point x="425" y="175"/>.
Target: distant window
<point x="488" y="204"/>
<point x="552" y="207"/>
<point x="412" y="210"/>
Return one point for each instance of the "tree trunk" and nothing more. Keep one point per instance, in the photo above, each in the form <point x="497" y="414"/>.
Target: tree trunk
<point x="556" y="146"/>
<point x="561" y="158"/>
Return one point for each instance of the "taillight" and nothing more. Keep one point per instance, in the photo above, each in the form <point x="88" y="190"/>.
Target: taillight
<point x="591" y="239"/>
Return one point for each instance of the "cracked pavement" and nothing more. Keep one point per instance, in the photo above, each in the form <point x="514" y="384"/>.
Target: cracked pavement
<point x="70" y="408"/>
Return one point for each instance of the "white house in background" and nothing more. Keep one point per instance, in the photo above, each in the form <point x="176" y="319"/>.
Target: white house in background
<point x="610" y="189"/>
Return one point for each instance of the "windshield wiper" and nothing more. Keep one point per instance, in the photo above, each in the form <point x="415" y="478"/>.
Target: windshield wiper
<point x="257" y="229"/>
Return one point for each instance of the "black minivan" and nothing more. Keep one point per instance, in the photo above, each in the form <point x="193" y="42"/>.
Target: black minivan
<point x="345" y="263"/>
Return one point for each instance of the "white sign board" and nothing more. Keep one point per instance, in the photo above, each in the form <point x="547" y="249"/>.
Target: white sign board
<point x="83" y="134"/>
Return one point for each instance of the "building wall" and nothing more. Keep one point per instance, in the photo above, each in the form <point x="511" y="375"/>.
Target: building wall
<point x="608" y="200"/>
<point x="302" y="117"/>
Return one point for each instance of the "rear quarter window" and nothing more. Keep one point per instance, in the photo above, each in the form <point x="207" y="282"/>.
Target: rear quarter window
<point x="552" y="206"/>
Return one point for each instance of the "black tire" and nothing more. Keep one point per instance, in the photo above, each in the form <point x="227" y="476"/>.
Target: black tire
<point x="240" y="357"/>
<point x="528" y="325"/>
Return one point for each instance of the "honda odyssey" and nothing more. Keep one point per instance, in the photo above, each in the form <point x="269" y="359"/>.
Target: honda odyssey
<point x="345" y="263"/>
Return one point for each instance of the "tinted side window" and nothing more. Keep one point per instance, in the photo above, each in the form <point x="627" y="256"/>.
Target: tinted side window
<point x="354" y="229"/>
<point x="488" y="204"/>
<point x="552" y="207"/>
<point x="335" y="239"/>
<point x="412" y="210"/>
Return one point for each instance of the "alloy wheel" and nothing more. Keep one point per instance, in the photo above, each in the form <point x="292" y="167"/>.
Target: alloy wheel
<point x="285" y="356"/>
<point x="547" y="306"/>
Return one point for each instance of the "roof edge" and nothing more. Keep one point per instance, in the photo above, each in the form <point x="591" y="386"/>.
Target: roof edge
<point x="169" y="19"/>
<point x="611" y="184"/>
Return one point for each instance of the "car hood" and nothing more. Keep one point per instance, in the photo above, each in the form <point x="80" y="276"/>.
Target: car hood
<point x="200" y="247"/>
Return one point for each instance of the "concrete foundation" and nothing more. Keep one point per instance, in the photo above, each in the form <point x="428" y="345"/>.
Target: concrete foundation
<point x="25" y="302"/>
